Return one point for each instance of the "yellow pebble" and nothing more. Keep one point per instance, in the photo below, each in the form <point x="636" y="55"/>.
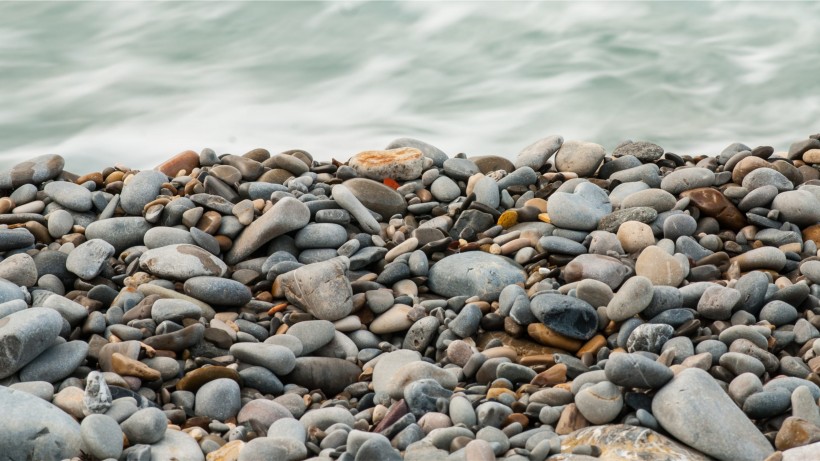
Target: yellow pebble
<point x="544" y="217"/>
<point x="508" y="219"/>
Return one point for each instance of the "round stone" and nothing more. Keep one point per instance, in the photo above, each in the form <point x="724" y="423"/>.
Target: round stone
<point x="59" y="223"/>
<point x="445" y="189"/>
<point x="600" y="403"/>
<point x="278" y="359"/>
<point x="102" y="436"/>
<point x="579" y="157"/>
<point x="320" y="235"/>
<point x="218" y="399"/>
<point x="473" y="273"/>
<point x="145" y="426"/>
<point x="636" y="370"/>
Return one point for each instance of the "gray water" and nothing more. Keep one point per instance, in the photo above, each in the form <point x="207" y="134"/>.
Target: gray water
<point x="133" y="83"/>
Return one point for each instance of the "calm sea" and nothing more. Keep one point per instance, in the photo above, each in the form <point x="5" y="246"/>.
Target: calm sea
<point x="132" y="83"/>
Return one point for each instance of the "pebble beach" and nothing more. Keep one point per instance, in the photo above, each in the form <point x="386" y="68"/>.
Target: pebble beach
<point x="562" y="303"/>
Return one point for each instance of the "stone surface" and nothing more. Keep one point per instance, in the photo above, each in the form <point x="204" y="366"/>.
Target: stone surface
<point x="579" y="157"/>
<point x="182" y="262"/>
<point x="35" y="429"/>
<point x="399" y="164"/>
<point x="322" y="288"/>
<point x="568" y="316"/>
<point x="473" y="274"/>
<point x="694" y="409"/>
<point x="24" y="335"/>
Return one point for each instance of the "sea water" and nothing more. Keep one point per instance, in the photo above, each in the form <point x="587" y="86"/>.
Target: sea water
<point x="135" y="82"/>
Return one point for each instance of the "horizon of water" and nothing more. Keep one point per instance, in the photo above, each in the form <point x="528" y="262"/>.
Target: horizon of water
<point x="134" y="83"/>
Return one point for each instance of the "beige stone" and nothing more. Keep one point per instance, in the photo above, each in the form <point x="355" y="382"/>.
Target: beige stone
<point x="659" y="267"/>
<point x="635" y="236"/>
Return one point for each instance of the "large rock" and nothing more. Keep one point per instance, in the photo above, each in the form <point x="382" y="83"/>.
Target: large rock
<point x="182" y="262"/>
<point x="401" y="164"/>
<point x="24" y="335"/>
<point x="566" y="315"/>
<point x="322" y="288"/>
<point x="33" y="171"/>
<point x="623" y="442"/>
<point x="474" y="273"/>
<point x="286" y="215"/>
<point x="377" y="197"/>
<point x="695" y="409"/>
<point x="33" y="429"/>
<point x="579" y="157"/>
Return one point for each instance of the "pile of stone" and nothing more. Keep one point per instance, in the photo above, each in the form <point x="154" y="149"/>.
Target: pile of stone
<point x="571" y="304"/>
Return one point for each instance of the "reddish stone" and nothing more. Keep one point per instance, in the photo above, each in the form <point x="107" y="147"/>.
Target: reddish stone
<point x="713" y="203"/>
<point x="187" y="160"/>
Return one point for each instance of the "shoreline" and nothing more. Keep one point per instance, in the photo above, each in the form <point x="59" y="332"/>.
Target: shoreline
<point x="407" y="304"/>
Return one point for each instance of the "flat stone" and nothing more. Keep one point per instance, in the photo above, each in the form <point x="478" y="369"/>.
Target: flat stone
<point x="473" y="274"/>
<point x="323" y="418"/>
<point x="644" y="151"/>
<point x="56" y="362"/>
<point x="415" y="371"/>
<point x="35" y="429"/>
<point x="332" y="375"/>
<point x="181" y="262"/>
<point x="767" y="176"/>
<point x="33" y="171"/>
<point x="72" y="196"/>
<point x="24" y="335"/>
<point x="12" y="239"/>
<point x="761" y="258"/>
<point x="320" y="235"/>
<point x="432" y="152"/>
<point x="157" y="237"/>
<point x="218" y="291"/>
<point x="174" y="310"/>
<point x="401" y="164"/>
<point x="445" y="189"/>
<point x="197" y="378"/>
<point x="620" y="442"/>
<point x="684" y="179"/>
<point x="121" y="233"/>
<point x="695" y="409"/>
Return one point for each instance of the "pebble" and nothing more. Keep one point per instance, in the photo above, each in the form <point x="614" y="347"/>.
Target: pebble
<point x="474" y="273"/>
<point x="696" y="411"/>
<point x="24" y="335"/>
<point x="445" y="306"/>
<point x="35" y="429"/>
<point x="102" y="436"/>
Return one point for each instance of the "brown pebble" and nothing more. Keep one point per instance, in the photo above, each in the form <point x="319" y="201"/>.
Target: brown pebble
<point x="553" y="375"/>
<point x="570" y="421"/>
